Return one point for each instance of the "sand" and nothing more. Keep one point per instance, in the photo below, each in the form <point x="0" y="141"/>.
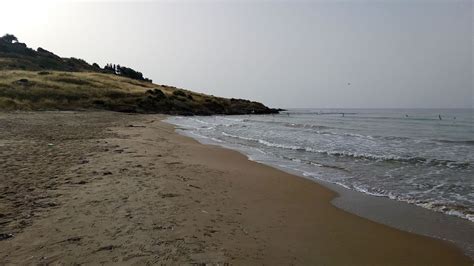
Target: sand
<point x="103" y="187"/>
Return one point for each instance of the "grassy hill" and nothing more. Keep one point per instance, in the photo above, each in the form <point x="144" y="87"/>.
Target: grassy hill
<point x="56" y="90"/>
<point x="41" y="80"/>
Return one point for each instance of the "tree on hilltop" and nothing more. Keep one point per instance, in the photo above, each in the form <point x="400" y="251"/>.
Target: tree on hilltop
<point x="9" y="38"/>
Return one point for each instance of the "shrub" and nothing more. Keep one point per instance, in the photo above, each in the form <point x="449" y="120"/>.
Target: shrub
<point x="179" y="93"/>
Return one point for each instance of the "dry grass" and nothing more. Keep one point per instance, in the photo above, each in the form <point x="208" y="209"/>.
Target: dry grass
<point x="55" y="90"/>
<point x="29" y="90"/>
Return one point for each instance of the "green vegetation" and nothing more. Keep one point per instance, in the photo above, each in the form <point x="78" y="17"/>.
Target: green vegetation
<point x="17" y="56"/>
<point x="40" y="80"/>
<point x="125" y="72"/>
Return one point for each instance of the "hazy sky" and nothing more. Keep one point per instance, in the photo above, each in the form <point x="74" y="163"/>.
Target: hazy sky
<point x="406" y="53"/>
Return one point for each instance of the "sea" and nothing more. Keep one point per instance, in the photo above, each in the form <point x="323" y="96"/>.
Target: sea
<point x="419" y="156"/>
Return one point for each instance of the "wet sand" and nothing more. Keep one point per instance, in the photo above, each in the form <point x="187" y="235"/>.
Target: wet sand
<point x="102" y="187"/>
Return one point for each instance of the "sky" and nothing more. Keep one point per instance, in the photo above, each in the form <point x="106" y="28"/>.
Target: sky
<point x="320" y="54"/>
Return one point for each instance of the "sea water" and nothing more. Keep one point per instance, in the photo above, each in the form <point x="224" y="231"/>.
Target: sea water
<point x="420" y="156"/>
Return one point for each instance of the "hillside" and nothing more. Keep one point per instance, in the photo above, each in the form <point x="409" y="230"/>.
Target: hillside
<point x="41" y="80"/>
<point x="55" y="90"/>
<point x="15" y="55"/>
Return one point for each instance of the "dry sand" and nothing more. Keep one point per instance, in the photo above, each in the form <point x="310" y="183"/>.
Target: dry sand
<point x="117" y="188"/>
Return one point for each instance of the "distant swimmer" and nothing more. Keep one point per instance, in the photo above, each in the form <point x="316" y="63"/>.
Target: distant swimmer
<point x="342" y="114"/>
<point x="439" y="116"/>
<point x="288" y="114"/>
<point x="406" y="115"/>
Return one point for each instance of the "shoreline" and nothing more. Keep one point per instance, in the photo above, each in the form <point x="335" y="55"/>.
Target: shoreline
<point x="142" y="193"/>
<point x="396" y="214"/>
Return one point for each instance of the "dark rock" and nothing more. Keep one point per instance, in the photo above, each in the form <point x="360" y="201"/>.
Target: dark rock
<point x="73" y="239"/>
<point x="169" y="195"/>
<point x="109" y="247"/>
<point x="4" y="236"/>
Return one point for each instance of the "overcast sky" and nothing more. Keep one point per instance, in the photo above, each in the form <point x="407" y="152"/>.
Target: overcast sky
<point x="398" y="54"/>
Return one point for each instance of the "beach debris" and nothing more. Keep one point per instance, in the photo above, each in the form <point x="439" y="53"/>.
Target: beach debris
<point x="189" y="185"/>
<point x="74" y="239"/>
<point x="135" y="126"/>
<point x="161" y="227"/>
<point x="243" y="230"/>
<point x="169" y="195"/>
<point x="107" y="173"/>
<point x="50" y="144"/>
<point x="203" y="211"/>
<point x="5" y="236"/>
<point x="109" y="247"/>
<point x="184" y="179"/>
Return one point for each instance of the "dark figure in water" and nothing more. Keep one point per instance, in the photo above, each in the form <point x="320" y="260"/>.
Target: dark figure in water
<point x="406" y="115"/>
<point x="342" y="114"/>
<point x="439" y="116"/>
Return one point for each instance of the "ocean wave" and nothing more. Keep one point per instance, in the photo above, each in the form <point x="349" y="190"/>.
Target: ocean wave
<point x="238" y="137"/>
<point x="410" y="118"/>
<point x="205" y="137"/>
<point x="288" y="124"/>
<point x="305" y="126"/>
<point x="466" y="142"/>
<point x="315" y="163"/>
<point x="365" y="156"/>
<point x="325" y="130"/>
<point x="452" y="209"/>
<point x="334" y="131"/>
<point x="447" y="208"/>
<point x="202" y="122"/>
<point x="232" y="119"/>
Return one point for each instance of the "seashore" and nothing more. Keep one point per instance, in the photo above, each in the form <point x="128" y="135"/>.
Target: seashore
<point x="104" y="187"/>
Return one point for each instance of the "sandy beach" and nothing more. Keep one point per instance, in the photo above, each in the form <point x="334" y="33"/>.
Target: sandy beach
<point x="104" y="187"/>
